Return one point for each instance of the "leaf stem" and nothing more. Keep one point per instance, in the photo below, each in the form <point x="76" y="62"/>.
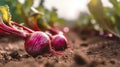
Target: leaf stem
<point x="25" y="28"/>
<point x="12" y="30"/>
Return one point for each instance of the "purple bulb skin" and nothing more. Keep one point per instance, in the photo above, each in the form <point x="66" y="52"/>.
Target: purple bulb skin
<point x="37" y="43"/>
<point x="59" y="42"/>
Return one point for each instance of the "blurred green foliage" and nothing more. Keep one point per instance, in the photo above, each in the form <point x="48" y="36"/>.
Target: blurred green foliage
<point x="31" y="16"/>
<point x="107" y="17"/>
<point x="102" y="18"/>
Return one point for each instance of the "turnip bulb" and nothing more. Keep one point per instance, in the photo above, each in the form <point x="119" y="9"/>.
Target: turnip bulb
<point x="37" y="43"/>
<point x="59" y="42"/>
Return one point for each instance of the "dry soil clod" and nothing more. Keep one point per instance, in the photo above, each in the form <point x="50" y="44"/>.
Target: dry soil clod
<point x="81" y="59"/>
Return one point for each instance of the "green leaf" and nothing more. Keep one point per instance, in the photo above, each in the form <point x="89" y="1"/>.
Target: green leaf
<point x="53" y="18"/>
<point x="114" y="2"/>
<point x="117" y="25"/>
<point x="5" y="13"/>
<point x="27" y="5"/>
<point x="107" y="18"/>
<point x="41" y="3"/>
<point x="96" y="8"/>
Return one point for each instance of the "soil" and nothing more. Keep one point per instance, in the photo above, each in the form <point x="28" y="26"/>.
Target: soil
<point x="85" y="51"/>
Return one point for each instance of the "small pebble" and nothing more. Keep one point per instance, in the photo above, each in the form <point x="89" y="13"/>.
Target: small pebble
<point x="15" y="55"/>
<point x="84" y="44"/>
<point x="112" y="61"/>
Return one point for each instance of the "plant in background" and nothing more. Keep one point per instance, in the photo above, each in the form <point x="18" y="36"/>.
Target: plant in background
<point x="86" y="24"/>
<point x="108" y="18"/>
